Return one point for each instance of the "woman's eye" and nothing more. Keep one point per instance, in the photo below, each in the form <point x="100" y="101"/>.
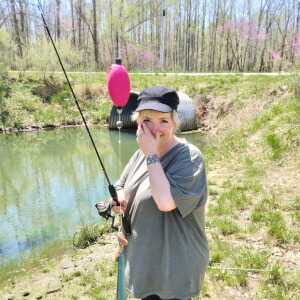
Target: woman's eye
<point x="146" y="120"/>
<point x="165" y="121"/>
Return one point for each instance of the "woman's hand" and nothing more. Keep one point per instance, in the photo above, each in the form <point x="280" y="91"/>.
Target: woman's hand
<point x="147" y="142"/>
<point x="122" y="244"/>
<point x="119" y="209"/>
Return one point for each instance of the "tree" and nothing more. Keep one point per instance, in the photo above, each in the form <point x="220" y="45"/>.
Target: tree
<point x="16" y="27"/>
<point x="73" y="23"/>
<point x="95" y="35"/>
<point x="57" y="16"/>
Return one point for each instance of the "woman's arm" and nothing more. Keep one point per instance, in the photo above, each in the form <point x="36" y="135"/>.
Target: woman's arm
<point x="160" y="186"/>
<point x="184" y="185"/>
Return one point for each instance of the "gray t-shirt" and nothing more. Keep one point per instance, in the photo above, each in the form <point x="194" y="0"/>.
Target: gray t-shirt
<point x="167" y="253"/>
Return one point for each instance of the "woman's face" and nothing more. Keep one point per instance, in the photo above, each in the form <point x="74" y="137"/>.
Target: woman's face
<point x="158" y="122"/>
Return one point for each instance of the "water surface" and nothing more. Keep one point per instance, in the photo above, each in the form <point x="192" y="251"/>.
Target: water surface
<point x="50" y="180"/>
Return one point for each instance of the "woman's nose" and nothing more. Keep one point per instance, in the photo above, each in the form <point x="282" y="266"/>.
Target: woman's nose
<point x="155" y="128"/>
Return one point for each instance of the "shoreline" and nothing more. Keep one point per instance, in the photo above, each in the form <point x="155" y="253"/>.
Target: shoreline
<point x="44" y="128"/>
<point x="34" y="129"/>
<point x="58" y="273"/>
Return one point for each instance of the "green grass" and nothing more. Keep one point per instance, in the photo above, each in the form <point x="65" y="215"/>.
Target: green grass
<point x="268" y="212"/>
<point x="231" y="201"/>
<point x="296" y="204"/>
<point x="229" y="278"/>
<point x="105" y="286"/>
<point x="89" y="234"/>
<point x="234" y="142"/>
<point x="220" y="250"/>
<point x="273" y="217"/>
<point x="251" y="259"/>
<point x="295" y="207"/>
<point x="279" y="284"/>
<point x="262" y="208"/>
<point x="277" y="227"/>
<point x="25" y="109"/>
<point x="297" y="216"/>
<point x="88" y="279"/>
<point x="253" y="168"/>
<point x="71" y="276"/>
<point x="276" y="146"/>
<point x="98" y="111"/>
<point x="226" y="226"/>
<point x="276" y="275"/>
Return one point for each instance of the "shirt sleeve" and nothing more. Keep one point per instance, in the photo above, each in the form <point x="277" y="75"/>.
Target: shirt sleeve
<point x="121" y="181"/>
<point x="187" y="180"/>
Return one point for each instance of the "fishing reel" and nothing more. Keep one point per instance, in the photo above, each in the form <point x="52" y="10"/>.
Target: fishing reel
<point x="104" y="211"/>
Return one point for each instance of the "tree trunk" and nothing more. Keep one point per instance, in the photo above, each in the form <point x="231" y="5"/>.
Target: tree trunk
<point x="284" y="38"/>
<point x="202" y="66"/>
<point x="57" y="19"/>
<point x="73" y="23"/>
<point x="162" y="35"/>
<point x="95" y="35"/>
<point x="16" y="28"/>
<point x="214" y="34"/>
<point x="187" y="65"/>
<point x="296" y="36"/>
<point x="258" y="32"/>
<point x="22" y="5"/>
<point x="79" y="16"/>
<point x="262" y="56"/>
<point x="112" y="40"/>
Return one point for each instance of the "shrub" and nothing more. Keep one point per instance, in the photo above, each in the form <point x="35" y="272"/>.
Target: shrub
<point x="275" y="144"/>
<point x="89" y="234"/>
<point x="277" y="227"/>
<point x="276" y="275"/>
<point x="48" y="88"/>
<point x="226" y="226"/>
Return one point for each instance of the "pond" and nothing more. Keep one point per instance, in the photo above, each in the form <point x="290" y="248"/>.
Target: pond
<point x="50" y="180"/>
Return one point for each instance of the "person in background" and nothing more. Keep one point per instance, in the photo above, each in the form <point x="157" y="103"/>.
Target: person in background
<point x="163" y="192"/>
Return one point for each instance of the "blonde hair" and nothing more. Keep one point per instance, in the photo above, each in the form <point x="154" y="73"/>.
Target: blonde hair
<point x="174" y="115"/>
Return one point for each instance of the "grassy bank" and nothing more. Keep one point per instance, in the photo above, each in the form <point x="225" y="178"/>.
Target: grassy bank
<point x="253" y="214"/>
<point x="34" y="100"/>
<point x="253" y="221"/>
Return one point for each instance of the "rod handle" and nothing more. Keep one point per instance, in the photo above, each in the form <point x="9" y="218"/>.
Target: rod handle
<point x="113" y="193"/>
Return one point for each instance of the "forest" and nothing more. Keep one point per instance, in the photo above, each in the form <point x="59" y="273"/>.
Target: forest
<point x="152" y="35"/>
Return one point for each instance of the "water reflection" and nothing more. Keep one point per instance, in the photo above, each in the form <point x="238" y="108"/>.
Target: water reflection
<point x="49" y="182"/>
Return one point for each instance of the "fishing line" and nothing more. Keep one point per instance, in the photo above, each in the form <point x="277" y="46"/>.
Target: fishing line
<point x="249" y="270"/>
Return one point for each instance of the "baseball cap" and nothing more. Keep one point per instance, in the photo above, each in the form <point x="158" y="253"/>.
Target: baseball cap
<point x="158" y="98"/>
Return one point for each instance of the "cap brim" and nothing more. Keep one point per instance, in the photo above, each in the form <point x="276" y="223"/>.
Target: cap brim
<point x="153" y="105"/>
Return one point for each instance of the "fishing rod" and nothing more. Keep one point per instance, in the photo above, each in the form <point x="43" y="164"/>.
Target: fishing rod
<point x="119" y="89"/>
<point x="104" y="209"/>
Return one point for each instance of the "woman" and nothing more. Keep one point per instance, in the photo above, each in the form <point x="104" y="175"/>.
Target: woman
<point x="163" y="192"/>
